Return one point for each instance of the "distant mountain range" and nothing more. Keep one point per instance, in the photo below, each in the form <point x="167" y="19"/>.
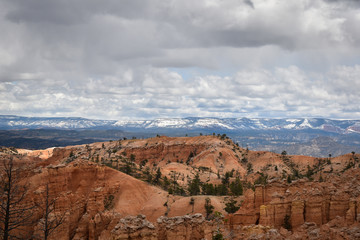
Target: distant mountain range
<point x="301" y="136"/>
<point x="18" y="122"/>
<point x="229" y="124"/>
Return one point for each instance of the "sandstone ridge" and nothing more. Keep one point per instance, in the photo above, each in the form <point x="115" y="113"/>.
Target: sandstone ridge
<point x="139" y="189"/>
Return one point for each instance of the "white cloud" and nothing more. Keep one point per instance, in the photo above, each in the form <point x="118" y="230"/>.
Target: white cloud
<point x="288" y="92"/>
<point x="125" y="59"/>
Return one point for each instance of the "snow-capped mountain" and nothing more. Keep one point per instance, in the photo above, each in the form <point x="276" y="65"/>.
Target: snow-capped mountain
<point x="234" y="124"/>
<point x="191" y="123"/>
<point x="17" y="122"/>
<point x="295" y="135"/>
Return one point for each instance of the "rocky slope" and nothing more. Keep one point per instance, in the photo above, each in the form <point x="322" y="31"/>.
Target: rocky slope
<point x="98" y="187"/>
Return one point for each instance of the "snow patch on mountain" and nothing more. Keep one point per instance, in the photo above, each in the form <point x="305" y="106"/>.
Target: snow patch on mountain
<point x="230" y="124"/>
<point x="208" y="122"/>
<point x="167" y="123"/>
<point x="305" y="124"/>
<point x="290" y="126"/>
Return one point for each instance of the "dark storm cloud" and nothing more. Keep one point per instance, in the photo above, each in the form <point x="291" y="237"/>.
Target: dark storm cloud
<point x="201" y="23"/>
<point x="250" y="3"/>
<point x="74" y="12"/>
<point x="137" y="29"/>
<point x="354" y="2"/>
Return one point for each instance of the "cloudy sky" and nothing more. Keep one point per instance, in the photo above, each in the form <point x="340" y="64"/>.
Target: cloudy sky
<point x="136" y="59"/>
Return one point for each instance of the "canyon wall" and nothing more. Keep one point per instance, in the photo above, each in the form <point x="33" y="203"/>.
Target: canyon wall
<point x="294" y="204"/>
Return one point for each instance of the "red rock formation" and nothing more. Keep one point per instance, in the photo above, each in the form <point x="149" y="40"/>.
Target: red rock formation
<point x="97" y="199"/>
<point x="318" y="203"/>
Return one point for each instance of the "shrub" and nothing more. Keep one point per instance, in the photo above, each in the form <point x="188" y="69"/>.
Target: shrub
<point x="109" y="202"/>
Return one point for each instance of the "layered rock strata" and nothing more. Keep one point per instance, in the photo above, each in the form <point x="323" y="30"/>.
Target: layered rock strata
<point x="294" y="204"/>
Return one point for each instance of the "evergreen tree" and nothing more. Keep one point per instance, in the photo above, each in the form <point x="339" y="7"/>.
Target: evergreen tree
<point x="236" y="187"/>
<point x="194" y="186"/>
<point x="262" y="179"/>
<point x="127" y="168"/>
<point x="249" y="168"/>
<point x="221" y="190"/>
<point x="208" y="207"/>
<point x="157" y="176"/>
<point x="208" y="189"/>
<point x="231" y="206"/>
<point x="309" y="172"/>
<point x="226" y="179"/>
<point x="166" y="183"/>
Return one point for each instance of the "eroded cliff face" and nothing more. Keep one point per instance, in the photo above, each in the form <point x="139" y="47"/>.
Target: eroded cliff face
<point x="302" y="201"/>
<point x="97" y="201"/>
<point x="97" y="198"/>
<point x="195" y="227"/>
<point x="188" y="227"/>
<point x="93" y="199"/>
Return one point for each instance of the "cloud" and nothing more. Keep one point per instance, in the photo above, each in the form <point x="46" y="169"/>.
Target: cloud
<point x="146" y="59"/>
<point x="250" y="3"/>
<point x="285" y="92"/>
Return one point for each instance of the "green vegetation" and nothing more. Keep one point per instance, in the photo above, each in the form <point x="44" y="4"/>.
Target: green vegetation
<point x="208" y="207"/>
<point x="194" y="186"/>
<point x="157" y="176"/>
<point x="190" y="184"/>
<point x="348" y="166"/>
<point x="249" y="168"/>
<point x="309" y="173"/>
<point x="236" y="187"/>
<point x="71" y="157"/>
<point x="288" y="180"/>
<point x="222" y="137"/>
<point x="262" y="179"/>
<point x="231" y="206"/>
<point x="192" y="203"/>
<point x="109" y="202"/>
<point x="218" y="236"/>
<point x="218" y="218"/>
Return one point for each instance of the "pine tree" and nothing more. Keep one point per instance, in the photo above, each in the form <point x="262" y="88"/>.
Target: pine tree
<point x="157" y="176"/>
<point x="236" y="187"/>
<point x="231" y="206"/>
<point x="208" y="207"/>
<point x="194" y="186"/>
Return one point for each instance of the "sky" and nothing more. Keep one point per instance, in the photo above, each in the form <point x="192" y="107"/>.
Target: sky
<point x="136" y="59"/>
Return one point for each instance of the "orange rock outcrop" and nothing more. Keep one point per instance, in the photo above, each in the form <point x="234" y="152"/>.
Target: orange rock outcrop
<point x="97" y="201"/>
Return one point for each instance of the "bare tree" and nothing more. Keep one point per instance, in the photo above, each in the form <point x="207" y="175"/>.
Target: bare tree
<point x="15" y="211"/>
<point x="51" y="219"/>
